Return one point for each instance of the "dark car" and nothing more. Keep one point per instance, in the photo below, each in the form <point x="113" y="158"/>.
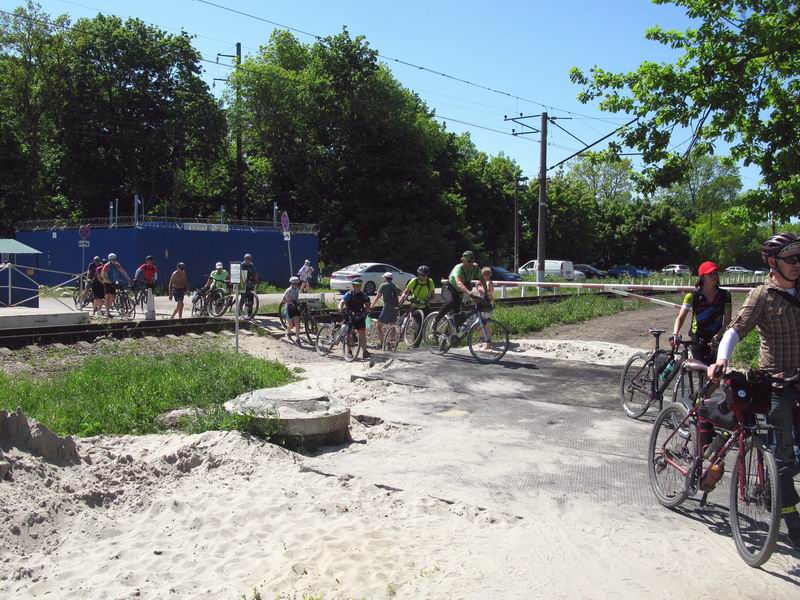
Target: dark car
<point x="502" y="274"/>
<point x="628" y="271"/>
<point x="591" y="272"/>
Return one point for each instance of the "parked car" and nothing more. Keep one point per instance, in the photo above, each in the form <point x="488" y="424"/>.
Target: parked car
<point x="590" y="272"/>
<point x="371" y="274"/>
<point x="503" y="274"/>
<point x="557" y="268"/>
<point x="628" y="271"/>
<point x="738" y="270"/>
<point x="676" y="270"/>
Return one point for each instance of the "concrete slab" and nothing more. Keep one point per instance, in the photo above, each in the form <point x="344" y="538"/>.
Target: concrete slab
<point x="306" y="416"/>
<point x="16" y="317"/>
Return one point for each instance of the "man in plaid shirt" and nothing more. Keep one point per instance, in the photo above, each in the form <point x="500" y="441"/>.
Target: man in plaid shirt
<point x="772" y="310"/>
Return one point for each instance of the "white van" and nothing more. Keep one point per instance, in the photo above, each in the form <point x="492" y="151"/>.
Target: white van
<point x="559" y="268"/>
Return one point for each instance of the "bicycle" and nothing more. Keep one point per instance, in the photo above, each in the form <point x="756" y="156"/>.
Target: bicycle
<point x="124" y="302"/>
<point x="646" y="377"/>
<point x="222" y="300"/>
<point x="200" y="302"/>
<point x="307" y="309"/>
<point x="486" y="338"/>
<point x="407" y="328"/>
<point x="676" y="462"/>
<point x="139" y="291"/>
<point x="83" y="298"/>
<point x="341" y="332"/>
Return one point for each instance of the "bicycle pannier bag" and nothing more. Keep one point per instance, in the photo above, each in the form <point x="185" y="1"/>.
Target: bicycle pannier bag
<point x="750" y="392"/>
<point x="661" y="361"/>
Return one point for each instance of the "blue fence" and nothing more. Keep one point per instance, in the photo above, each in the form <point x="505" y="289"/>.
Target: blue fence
<point x="199" y="249"/>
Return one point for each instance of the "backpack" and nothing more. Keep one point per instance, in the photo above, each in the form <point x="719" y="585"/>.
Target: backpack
<point x="416" y="283"/>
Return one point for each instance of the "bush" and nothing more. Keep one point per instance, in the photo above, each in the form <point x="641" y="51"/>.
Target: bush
<point x="124" y="394"/>
<point x="746" y="352"/>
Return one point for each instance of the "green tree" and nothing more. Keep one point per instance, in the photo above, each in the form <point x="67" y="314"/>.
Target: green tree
<point x="606" y="179"/>
<point x="736" y="80"/>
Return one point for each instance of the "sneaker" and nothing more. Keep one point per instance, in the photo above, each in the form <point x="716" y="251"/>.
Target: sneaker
<point x="794" y="536"/>
<point x="366" y="354"/>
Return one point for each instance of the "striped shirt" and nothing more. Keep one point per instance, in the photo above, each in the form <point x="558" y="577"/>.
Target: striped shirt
<point x="777" y="320"/>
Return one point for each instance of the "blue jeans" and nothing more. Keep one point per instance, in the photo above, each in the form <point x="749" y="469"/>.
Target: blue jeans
<point x="784" y="416"/>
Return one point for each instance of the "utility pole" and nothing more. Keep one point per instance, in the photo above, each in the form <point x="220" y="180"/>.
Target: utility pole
<point x="542" y="220"/>
<point x="519" y="184"/>
<point x="237" y="180"/>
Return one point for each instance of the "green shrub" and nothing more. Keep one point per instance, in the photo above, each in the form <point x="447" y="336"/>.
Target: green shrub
<point x="124" y="394"/>
<point x="746" y="352"/>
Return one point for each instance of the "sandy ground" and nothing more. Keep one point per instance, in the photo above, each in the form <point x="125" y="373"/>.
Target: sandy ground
<point x="218" y="515"/>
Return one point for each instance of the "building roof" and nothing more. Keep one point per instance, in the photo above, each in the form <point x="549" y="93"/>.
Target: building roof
<point x="15" y="247"/>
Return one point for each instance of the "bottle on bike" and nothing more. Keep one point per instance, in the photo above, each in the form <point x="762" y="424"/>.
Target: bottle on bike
<point x="773" y="308"/>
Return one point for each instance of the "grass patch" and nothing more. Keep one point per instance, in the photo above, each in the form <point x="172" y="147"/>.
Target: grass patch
<point x="527" y="319"/>
<point x="746" y="352"/>
<point x="124" y="394"/>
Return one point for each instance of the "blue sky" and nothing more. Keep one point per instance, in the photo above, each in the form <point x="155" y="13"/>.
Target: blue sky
<point x="523" y="48"/>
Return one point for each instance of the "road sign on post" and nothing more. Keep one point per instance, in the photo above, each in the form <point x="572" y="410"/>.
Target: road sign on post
<point x="84" y="231"/>
<point x="83" y="243"/>
<point x="236" y="278"/>
<point x="287" y="237"/>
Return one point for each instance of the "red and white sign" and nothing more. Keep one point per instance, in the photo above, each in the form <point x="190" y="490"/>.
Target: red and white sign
<point x="285" y="220"/>
<point x="84" y="231"/>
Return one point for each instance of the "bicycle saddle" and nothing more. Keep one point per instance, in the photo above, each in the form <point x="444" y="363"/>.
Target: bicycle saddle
<point x="656" y="333"/>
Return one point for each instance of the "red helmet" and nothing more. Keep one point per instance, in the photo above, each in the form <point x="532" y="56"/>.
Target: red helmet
<point x="779" y="243"/>
<point x="706" y="268"/>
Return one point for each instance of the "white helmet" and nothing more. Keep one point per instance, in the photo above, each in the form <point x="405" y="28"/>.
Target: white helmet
<point x="388" y="275"/>
<point x="219" y="265"/>
<point x="294" y="280"/>
<point x="112" y="256"/>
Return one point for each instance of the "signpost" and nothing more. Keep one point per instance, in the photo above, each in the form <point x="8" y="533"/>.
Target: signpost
<point x="236" y="279"/>
<point x="287" y="237"/>
<point x="84" y="231"/>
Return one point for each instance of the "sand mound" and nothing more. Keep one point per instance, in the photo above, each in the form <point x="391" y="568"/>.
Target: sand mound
<point x="600" y="353"/>
<point x="17" y="431"/>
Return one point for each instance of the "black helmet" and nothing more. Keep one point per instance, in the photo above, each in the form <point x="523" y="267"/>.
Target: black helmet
<point x="423" y="270"/>
<point x="778" y="244"/>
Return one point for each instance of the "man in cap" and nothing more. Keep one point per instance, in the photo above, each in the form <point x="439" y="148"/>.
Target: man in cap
<point x="459" y="282"/>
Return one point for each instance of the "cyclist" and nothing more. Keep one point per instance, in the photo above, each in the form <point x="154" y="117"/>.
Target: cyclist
<point x="291" y="310"/>
<point x="252" y="276"/>
<point x="94" y="283"/>
<point x="356" y="302"/>
<point x="147" y="273"/>
<point x="218" y="278"/>
<point x="421" y="288"/>
<point x="711" y="312"/>
<point x="389" y="292"/>
<point x="304" y="274"/>
<point x="774" y="311"/>
<point x="178" y="286"/>
<point x="459" y="282"/>
<point x="110" y="275"/>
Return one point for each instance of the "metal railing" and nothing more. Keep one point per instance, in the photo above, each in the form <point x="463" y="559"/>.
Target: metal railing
<point x="163" y="223"/>
<point x="6" y="286"/>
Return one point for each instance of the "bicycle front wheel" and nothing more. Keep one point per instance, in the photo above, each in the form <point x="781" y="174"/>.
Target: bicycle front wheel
<point x="310" y="325"/>
<point x="391" y="338"/>
<point x="488" y="342"/>
<point x="326" y="338"/>
<point x="671" y="455"/>
<point x="636" y="386"/>
<point x="755" y="504"/>
<point x="412" y="330"/>
<point x="350" y="346"/>
<point x="126" y="306"/>
<point x="437" y="340"/>
<point x="216" y="303"/>
<point x="248" y="307"/>
<point x="281" y="318"/>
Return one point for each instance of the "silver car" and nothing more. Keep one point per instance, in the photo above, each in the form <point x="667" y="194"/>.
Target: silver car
<point x="371" y="274"/>
<point x="676" y="270"/>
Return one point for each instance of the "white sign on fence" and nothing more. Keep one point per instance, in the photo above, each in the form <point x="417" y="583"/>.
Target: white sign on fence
<point x="83" y="243"/>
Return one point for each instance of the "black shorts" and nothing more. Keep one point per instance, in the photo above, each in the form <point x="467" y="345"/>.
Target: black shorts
<point x="292" y="310"/>
<point x="98" y="290"/>
<point x="701" y="350"/>
<point x="359" y="324"/>
<point x="178" y="295"/>
<point x="109" y="288"/>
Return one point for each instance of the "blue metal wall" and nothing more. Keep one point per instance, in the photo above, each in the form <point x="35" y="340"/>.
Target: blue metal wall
<point x="200" y="250"/>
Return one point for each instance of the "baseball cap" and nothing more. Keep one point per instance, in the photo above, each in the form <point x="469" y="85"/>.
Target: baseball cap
<point x="387" y="274"/>
<point x="219" y="265"/>
<point x="357" y="282"/>
<point x="468" y="255"/>
<point x="706" y="268"/>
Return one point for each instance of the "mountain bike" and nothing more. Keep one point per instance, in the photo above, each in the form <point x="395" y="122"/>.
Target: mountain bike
<point x="222" y="300"/>
<point x="307" y="309"/>
<point x="341" y="332"/>
<point x="646" y="378"/>
<point x="486" y="338"/>
<point x="139" y="292"/>
<point x="200" y="302"/>
<point x="680" y="463"/>
<point x="83" y="298"/>
<point x="406" y="331"/>
<point x="123" y="302"/>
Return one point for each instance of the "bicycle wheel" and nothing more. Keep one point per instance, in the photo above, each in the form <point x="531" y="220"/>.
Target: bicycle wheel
<point x="686" y="386"/>
<point x="438" y="341"/>
<point x="326" y="338"/>
<point x="282" y="318"/>
<point x="350" y="345"/>
<point x="488" y="343"/>
<point x="310" y="325"/>
<point x="248" y="307"/>
<point x="391" y="338"/>
<point x="636" y="385"/>
<point x="755" y="503"/>
<point x="77" y="299"/>
<point x="412" y="330"/>
<point x="125" y="305"/>
<point x="216" y="303"/>
<point x="670" y="455"/>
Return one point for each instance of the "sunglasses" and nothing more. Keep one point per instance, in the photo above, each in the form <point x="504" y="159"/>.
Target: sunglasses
<point x="792" y="260"/>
